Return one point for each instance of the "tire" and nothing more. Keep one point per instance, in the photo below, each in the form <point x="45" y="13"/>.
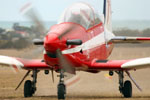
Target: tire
<point x="28" y="89"/>
<point x="127" y="89"/>
<point x="61" y="93"/>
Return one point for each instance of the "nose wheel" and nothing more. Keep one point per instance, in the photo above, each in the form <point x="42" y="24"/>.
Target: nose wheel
<point x="61" y="88"/>
<point x="61" y="91"/>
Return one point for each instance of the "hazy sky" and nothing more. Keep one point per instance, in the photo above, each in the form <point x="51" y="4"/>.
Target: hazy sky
<point x="52" y="9"/>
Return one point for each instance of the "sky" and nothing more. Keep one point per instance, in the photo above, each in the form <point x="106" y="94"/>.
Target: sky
<point x="50" y="10"/>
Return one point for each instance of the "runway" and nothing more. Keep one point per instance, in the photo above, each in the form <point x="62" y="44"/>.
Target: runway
<point x="90" y="87"/>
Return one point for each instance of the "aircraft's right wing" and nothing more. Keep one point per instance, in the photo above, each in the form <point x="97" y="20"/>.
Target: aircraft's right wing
<point x="123" y="39"/>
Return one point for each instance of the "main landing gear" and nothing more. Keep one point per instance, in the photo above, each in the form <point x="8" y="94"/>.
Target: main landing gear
<point x="124" y="87"/>
<point x="61" y="88"/>
<point x="30" y="86"/>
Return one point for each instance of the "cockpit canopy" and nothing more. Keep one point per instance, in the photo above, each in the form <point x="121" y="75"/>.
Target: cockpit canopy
<point x="81" y="13"/>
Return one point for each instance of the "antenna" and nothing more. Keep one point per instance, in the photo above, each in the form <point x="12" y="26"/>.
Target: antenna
<point x="104" y="9"/>
<point x="104" y="24"/>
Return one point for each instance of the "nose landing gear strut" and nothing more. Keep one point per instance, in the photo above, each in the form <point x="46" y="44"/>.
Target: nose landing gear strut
<point x="61" y="88"/>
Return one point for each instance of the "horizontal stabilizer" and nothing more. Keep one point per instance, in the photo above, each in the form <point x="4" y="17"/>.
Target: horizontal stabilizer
<point x="122" y="39"/>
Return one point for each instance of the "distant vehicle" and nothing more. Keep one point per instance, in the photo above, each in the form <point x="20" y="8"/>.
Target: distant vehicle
<point x="81" y="41"/>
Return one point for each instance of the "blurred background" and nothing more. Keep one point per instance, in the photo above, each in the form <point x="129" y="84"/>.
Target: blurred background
<point x="130" y="18"/>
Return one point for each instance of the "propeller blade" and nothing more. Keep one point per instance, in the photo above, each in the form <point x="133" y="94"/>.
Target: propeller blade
<point x="67" y="31"/>
<point x="30" y="13"/>
<point x="64" y="63"/>
<point x="71" y="80"/>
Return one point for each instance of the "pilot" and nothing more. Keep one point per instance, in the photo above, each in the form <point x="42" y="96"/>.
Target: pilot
<point x="77" y="17"/>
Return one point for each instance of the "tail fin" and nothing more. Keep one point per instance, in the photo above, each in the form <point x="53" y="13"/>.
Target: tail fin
<point x="107" y="14"/>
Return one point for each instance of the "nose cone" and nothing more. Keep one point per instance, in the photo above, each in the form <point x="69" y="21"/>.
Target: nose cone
<point x="51" y="42"/>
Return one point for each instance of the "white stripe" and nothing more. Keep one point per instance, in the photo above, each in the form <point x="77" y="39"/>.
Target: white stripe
<point x="94" y="42"/>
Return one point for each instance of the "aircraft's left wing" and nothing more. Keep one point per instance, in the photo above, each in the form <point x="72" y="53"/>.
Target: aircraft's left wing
<point x="19" y="63"/>
<point x="121" y="64"/>
<point x="123" y="39"/>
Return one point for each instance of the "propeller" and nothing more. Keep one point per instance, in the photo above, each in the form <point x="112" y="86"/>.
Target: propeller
<point x="28" y="11"/>
<point x="71" y="77"/>
<point x="64" y="63"/>
<point x="71" y="80"/>
<point x="70" y="28"/>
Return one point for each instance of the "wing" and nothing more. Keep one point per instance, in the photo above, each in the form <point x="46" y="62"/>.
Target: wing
<point x="121" y="64"/>
<point x="122" y="39"/>
<point x="19" y="63"/>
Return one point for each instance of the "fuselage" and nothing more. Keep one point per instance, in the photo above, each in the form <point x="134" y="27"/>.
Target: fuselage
<point x="80" y="21"/>
<point x="93" y="47"/>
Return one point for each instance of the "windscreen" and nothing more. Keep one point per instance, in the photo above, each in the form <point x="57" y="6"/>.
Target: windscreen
<point x="80" y="13"/>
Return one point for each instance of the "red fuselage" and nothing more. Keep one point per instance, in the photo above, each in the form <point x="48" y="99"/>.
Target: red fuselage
<point x="93" y="47"/>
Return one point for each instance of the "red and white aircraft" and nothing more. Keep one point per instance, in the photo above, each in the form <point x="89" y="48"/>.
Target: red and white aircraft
<point x="81" y="41"/>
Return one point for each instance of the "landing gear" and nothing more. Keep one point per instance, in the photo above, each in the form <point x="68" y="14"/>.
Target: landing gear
<point x="61" y="91"/>
<point x="121" y="76"/>
<point x="30" y="86"/>
<point x="127" y="90"/>
<point x="28" y="89"/>
<point x="124" y="87"/>
<point x="61" y="88"/>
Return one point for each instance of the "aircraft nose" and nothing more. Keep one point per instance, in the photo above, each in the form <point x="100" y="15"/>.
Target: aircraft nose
<point x="51" y="42"/>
